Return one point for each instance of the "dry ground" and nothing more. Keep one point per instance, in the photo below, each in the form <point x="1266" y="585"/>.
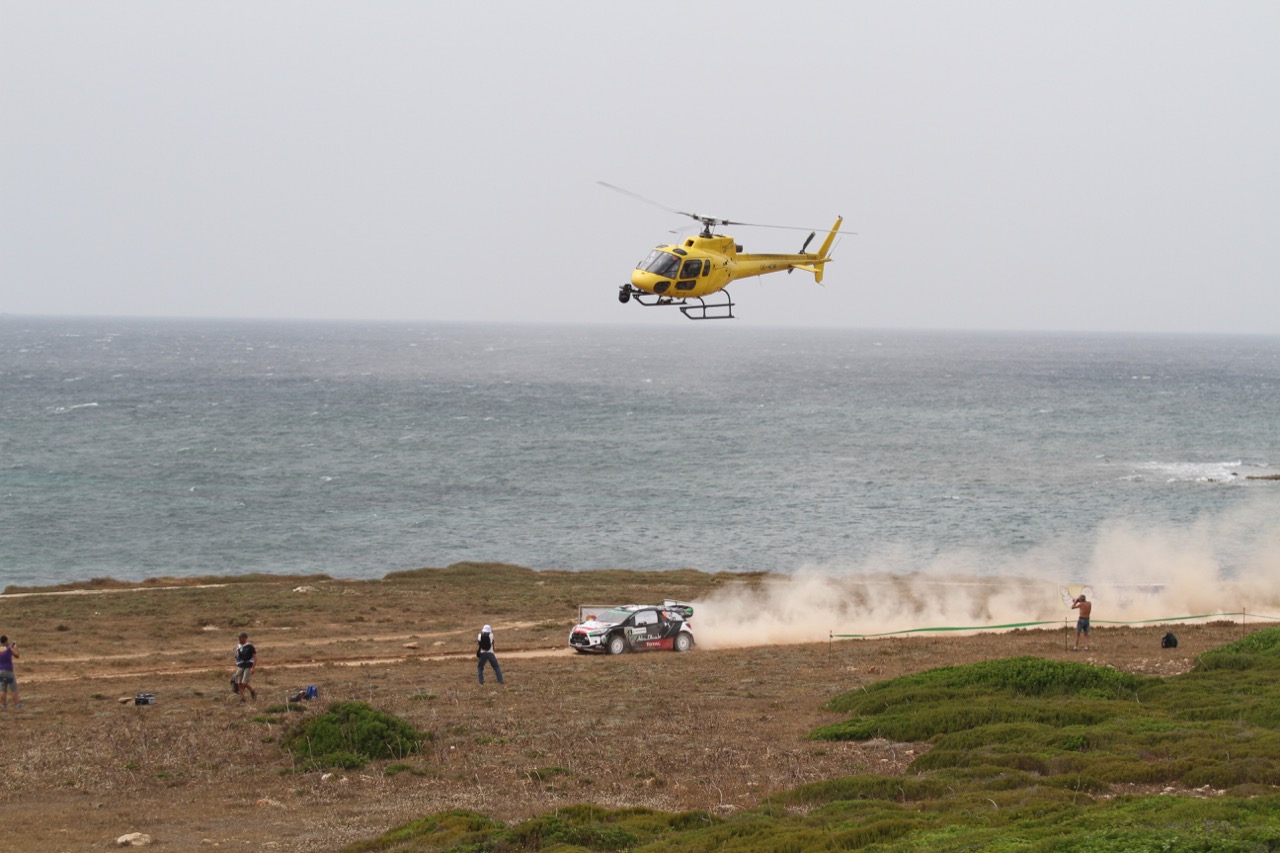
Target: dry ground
<point x="715" y="730"/>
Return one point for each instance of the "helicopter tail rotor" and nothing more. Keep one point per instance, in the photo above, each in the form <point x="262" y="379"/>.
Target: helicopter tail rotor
<point x="804" y="247"/>
<point x="819" y="264"/>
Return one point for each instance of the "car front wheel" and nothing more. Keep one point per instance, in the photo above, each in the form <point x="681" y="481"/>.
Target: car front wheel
<point x="616" y="645"/>
<point x="683" y="642"/>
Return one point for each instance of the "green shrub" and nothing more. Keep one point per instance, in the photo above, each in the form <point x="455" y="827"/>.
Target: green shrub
<point x="1218" y="725"/>
<point x="547" y="830"/>
<point x="1265" y="642"/>
<point x="1024" y="676"/>
<point x="1074" y="742"/>
<point x="349" y="735"/>
<point x="453" y="830"/>
<point x="1230" y="661"/>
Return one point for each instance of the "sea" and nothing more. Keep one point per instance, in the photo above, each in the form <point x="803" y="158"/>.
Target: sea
<point x="140" y="448"/>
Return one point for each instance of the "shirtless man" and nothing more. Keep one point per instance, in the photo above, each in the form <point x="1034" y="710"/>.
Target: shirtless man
<point x="1082" y="624"/>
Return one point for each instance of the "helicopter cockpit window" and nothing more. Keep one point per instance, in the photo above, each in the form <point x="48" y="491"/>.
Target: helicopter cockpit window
<point x="660" y="263"/>
<point x="692" y="268"/>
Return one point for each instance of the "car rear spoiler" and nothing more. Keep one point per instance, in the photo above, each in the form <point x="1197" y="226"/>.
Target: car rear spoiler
<point x="683" y="608"/>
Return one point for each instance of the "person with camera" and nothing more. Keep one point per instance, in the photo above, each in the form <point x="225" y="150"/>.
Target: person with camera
<point x="1082" y="624"/>
<point x="8" y="651"/>
<point x="485" y="654"/>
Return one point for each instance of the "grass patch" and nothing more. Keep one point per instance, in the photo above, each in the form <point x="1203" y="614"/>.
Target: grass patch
<point x="544" y="774"/>
<point x="399" y="767"/>
<point x="571" y="828"/>
<point x="959" y="698"/>
<point x="1045" y="819"/>
<point x="1218" y="725"/>
<point x="349" y="735"/>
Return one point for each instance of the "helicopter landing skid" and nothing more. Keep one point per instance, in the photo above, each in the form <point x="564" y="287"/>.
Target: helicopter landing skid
<point x="695" y="308"/>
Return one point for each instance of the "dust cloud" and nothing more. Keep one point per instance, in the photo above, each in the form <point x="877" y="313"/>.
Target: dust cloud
<point x="1227" y="564"/>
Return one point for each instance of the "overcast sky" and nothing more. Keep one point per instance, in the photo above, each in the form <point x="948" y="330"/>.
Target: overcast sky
<point x="1107" y="166"/>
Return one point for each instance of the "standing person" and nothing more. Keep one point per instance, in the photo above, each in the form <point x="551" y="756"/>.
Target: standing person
<point x="246" y="661"/>
<point x="9" y="651"/>
<point x="484" y="653"/>
<point x="1082" y="624"/>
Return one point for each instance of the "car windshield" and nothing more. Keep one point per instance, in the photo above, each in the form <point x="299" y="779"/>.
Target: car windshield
<point x="614" y="616"/>
<point x="660" y="263"/>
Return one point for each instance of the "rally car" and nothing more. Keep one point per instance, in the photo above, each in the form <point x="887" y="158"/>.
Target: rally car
<point x="633" y="627"/>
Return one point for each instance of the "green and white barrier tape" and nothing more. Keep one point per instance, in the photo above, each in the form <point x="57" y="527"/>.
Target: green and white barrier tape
<point x="1163" y="620"/>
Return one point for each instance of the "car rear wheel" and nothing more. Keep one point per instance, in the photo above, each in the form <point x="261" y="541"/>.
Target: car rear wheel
<point x="683" y="642"/>
<point x="616" y="645"/>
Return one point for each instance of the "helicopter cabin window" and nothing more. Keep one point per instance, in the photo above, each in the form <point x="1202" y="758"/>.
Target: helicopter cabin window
<point x="661" y="264"/>
<point x="692" y="268"/>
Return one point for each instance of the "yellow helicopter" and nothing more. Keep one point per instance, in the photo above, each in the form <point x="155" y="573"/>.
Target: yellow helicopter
<point x="684" y="273"/>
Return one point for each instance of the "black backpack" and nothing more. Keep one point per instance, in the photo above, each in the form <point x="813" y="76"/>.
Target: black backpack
<point x="1169" y="641"/>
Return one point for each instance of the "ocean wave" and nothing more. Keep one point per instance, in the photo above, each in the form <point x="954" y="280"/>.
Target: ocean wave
<point x="64" y="409"/>
<point x="1190" y="472"/>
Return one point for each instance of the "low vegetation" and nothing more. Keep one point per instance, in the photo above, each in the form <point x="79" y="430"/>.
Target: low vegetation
<point x="1024" y="754"/>
<point x="349" y="735"/>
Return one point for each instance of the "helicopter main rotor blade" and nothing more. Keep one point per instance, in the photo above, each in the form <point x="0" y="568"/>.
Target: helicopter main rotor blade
<point x="639" y="197"/>
<point x="781" y="227"/>
<point x="705" y="220"/>
<point x="708" y="220"/>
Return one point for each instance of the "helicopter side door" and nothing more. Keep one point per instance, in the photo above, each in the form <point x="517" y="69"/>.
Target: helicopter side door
<point x="690" y="271"/>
